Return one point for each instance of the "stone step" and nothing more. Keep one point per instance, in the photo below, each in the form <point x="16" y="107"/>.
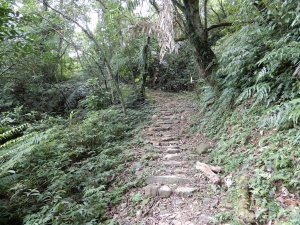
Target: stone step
<point x="164" y="118"/>
<point x="162" y="125"/>
<point x="185" y="191"/>
<point x="172" y="146"/>
<point x="164" y="191"/>
<point x="175" y="157"/>
<point x="178" y="171"/>
<point x="173" y="163"/>
<point x="157" y="124"/>
<point x="166" y="114"/>
<point x="153" y="190"/>
<point x="163" y="144"/>
<point x="166" y="138"/>
<point x="173" y="150"/>
<point x="169" y="143"/>
<point x="168" y="179"/>
<point x="161" y="128"/>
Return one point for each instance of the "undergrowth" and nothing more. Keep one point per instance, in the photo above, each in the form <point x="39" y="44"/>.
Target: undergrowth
<point x="254" y="119"/>
<point x="269" y="155"/>
<point x="68" y="171"/>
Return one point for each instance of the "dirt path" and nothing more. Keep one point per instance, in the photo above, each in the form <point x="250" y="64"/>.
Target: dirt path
<point x="175" y="192"/>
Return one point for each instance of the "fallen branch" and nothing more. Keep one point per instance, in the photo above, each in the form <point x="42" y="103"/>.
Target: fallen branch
<point x="208" y="171"/>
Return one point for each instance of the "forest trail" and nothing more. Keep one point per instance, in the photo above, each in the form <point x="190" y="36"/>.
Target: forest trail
<point x="180" y="194"/>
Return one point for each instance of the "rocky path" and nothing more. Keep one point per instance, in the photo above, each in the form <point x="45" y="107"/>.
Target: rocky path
<point x="174" y="192"/>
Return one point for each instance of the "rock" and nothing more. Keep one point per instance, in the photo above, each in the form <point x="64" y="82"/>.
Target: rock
<point x="164" y="191"/>
<point x="169" y="179"/>
<point x="185" y="191"/>
<point x="202" y="148"/>
<point x="172" y="157"/>
<point x="139" y="214"/>
<point x="204" y="219"/>
<point x="151" y="190"/>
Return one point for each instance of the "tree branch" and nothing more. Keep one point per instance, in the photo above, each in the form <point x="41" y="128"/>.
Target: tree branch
<point x="222" y="8"/>
<point x="8" y="68"/>
<point x="155" y="6"/>
<point x="214" y="11"/>
<point x="205" y="18"/>
<point x="225" y="24"/>
<point x="90" y="35"/>
<point x="178" y="5"/>
<point x="101" y="3"/>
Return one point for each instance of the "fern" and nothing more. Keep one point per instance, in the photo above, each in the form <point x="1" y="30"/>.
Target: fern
<point x="7" y="180"/>
<point x="261" y="90"/>
<point x="12" y="134"/>
<point x="284" y="115"/>
<point x="14" y="151"/>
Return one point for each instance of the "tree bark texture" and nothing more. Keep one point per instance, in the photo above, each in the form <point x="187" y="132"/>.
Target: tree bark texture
<point x="198" y="38"/>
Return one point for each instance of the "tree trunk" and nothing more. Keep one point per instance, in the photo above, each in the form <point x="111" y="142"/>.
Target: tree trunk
<point x="198" y="38"/>
<point x="133" y="76"/>
<point x="145" y="69"/>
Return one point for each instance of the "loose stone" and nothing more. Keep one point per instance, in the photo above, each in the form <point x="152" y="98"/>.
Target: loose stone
<point x="164" y="191"/>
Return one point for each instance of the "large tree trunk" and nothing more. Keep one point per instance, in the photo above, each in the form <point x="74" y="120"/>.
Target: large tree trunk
<point x="145" y="69"/>
<point x="197" y="33"/>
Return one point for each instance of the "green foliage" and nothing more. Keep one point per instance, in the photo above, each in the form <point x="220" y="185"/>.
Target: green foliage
<point x="285" y="115"/>
<point x="8" y="20"/>
<point x="72" y="174"/>
<point x="98" y="98"/>
<point x="258" y="61"/>
<point x="177" y="71"/>
<point x="12" y="134"/>
<point x="224" y="217"/>
<point x="270" y="156"/>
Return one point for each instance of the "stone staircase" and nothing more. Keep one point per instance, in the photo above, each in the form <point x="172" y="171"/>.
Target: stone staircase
<point x="177" y="193"/>
<point x="166" y="140"/>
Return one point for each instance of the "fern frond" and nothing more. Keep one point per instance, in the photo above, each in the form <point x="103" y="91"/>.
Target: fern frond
<point x="8" y="179"/>
<point x="283" y="115"/>
<point x="13" y="152"/>
<point x="12" y="134"/>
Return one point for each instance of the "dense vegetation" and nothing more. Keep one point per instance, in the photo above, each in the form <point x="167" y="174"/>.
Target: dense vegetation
<point x="73" y="78"/>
